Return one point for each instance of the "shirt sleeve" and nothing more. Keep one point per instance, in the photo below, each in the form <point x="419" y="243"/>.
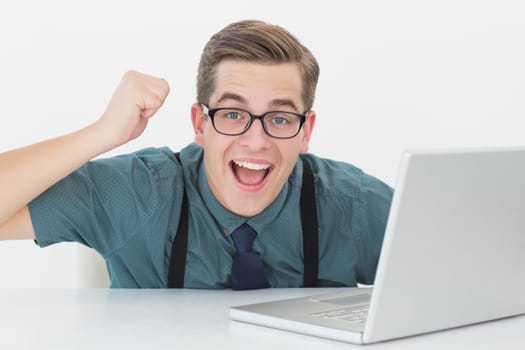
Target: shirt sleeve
<point x="102" y="204"/>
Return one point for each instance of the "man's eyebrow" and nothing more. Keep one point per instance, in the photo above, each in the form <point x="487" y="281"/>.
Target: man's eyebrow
<point x="231" y="96"/>
<point x="282" y="103"/>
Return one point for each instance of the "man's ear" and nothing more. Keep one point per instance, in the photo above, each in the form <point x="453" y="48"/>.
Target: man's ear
<point x="198" y="119"/>
<point x="307" y="131"/>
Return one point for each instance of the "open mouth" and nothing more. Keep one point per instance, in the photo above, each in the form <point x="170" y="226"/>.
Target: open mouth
<point x="250" y="174"/>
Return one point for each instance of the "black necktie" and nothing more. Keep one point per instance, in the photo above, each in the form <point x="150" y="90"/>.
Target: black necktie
<point x="247" y="268"/>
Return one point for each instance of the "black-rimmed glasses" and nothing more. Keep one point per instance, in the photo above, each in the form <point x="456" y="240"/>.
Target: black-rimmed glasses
<point x="235" y="121"/>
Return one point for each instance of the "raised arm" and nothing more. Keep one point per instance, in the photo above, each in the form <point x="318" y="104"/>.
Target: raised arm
<point x="27" y="172"/>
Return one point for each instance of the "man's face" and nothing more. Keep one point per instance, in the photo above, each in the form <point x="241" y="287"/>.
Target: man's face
<point x="247" y="172"/>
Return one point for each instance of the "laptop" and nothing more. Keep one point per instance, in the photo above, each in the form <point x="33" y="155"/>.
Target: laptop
<point x="453" y="255"/>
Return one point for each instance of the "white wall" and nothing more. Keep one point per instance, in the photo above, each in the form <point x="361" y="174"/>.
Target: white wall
<point x="394" y="75"/>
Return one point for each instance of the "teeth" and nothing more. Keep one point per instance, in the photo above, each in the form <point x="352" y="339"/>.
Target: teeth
<point x="252" y="166"/>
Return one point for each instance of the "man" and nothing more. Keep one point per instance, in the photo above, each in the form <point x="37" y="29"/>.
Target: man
<point x="166" y="220"/>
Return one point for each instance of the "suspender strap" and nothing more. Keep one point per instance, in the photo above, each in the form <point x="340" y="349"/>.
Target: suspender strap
<point x="179" y="248"/>
<point x="309" y="224"/>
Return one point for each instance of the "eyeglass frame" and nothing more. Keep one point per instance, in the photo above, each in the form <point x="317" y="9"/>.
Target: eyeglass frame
<point x="210" y="112"/>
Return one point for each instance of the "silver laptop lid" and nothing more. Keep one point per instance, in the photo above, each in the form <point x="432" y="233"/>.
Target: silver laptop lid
<point x="454" y="247"/>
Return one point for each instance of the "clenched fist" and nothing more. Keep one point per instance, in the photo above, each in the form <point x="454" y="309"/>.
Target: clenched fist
<point x="136" y="99"/>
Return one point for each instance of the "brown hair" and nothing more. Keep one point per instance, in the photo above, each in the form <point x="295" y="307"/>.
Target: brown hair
<point x="256" y="41"/>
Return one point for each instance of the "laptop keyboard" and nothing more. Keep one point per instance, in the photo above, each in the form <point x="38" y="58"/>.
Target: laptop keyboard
<point x="355" y="314"/>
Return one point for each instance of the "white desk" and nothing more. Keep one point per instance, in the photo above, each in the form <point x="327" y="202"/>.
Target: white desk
<point x="190" y="319"/>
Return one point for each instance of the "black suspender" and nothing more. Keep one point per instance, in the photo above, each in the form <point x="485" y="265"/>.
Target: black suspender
<point x="309" y="224"/>
<point x="179" y="248"/>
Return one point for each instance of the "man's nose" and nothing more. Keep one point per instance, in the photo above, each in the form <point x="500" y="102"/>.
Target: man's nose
<point x="255" y="137"/>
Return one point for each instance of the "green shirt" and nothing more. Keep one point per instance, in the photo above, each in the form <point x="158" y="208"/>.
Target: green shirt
<point x="128" y="208"/>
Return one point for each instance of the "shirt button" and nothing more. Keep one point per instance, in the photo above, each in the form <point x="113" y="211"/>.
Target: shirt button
<point x="225" y="230"/>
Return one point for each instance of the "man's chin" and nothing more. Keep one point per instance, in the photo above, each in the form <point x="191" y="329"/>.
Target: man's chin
<point x="247" y="209"/>
<point x="247" y="212"/>
<point x="249" y="200"/>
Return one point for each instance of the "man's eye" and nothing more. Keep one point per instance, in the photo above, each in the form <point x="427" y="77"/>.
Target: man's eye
<point x="280" y="120"/>
<point x="233" y="115"/>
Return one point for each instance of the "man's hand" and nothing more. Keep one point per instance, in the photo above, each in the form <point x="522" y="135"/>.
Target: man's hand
<point x="135" y="100"/>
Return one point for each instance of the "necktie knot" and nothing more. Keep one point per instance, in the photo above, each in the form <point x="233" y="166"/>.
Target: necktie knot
<point x="243" y="238"/>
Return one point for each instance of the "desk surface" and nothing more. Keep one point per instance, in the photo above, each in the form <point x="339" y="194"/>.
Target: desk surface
<point x="191" y="319"/>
